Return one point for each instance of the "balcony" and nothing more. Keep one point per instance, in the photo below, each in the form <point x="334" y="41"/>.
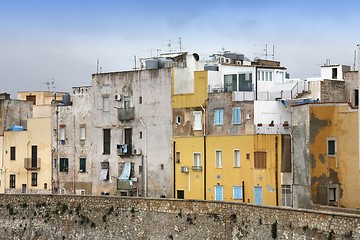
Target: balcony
<point x="126" y="114"/>
<point x="196" y="168"/>
<point x="32" y="164"/>
<point x="272" y="129"/>
<point x="124" y="150"/>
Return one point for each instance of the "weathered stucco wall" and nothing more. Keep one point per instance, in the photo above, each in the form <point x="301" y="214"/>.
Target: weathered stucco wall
<point x="84" y="217"/>
<point x="333" y="91"/>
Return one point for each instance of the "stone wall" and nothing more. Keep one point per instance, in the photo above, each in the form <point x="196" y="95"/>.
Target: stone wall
<point x="86" y="217"/>
<point x="333" y="91"/>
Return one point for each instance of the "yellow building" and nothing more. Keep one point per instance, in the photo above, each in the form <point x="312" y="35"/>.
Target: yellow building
<point x="27" y="151"/>
<point x="27" y="158"/>
<point x="244" y="168"/>
<point x="334" y="161"/>
<point x="225" y="161"/>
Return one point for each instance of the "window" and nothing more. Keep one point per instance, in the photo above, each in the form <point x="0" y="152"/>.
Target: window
<point x="106" y="141"/>
<point x="248" y="156"/>
<point x="31" y="98"/>
<point x="83" y="165"/>
<point x="106" y="106"/>
<point x="331" y="147"/>
<point x="260" y="160"/>
<point x="286" y="195"/>
<point x="178" y="120"/>
<point x="127" y="102"/>
<point x="245" y="82"/>
<point x="177" y="157"/>
<point x="236" y="158"/>
<point x="230" y="82"/>
<point x="12" y="153"/>
<point x="82" y="132"/>
<point x="62" y="134"/>
<point x="64" y="165"/>
<point x="356" y="93"/>
<point x="128" y="140"/>
<point x="219" y="193"/>
<point x="334" y="73"/>
<point x="219" y="116"/>
<point x="104" y="175"/>
<point x="236" y="115"/>
<point x="197" y="162"/>
<point x="140" y="100"/>
<point x="197" y="120"/>
<point x="34" y="177"/>
<point x="332" y="195"/>
<point x="34" y="156"/>
<point x="140" y="135"/>
<point x="218" y="161"/>
<point x="12" y="180"/>
<point x="237" y="192"/>
<point x="180" y="194"/>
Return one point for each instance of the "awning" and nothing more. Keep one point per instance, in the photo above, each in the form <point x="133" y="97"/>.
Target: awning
<point x="104" y="174"/>
<point x="125" y="174"/>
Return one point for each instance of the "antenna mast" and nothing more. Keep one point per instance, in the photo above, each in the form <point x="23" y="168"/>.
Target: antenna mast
<point x="354" y="60"/>
<point x="180" y="44"/>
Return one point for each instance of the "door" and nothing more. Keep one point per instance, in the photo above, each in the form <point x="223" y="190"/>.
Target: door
<point x="34" y="156"/>
<point x="128" y="139"/>
<point x="23" y="189"/>
<point x="258" y="195"/>
<point x="218" y="193"/>
<point x="180" y="194"/>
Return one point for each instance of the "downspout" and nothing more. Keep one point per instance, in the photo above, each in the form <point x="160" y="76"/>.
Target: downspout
<point x="256" y="84"/>
<point x="74" y="159"/>
<point x="57" y="146"/>
<point x="243" y="191"/>
<point x="292" y="168"/>
<point x="276" y="171"/>
<point x="174" y="172"/>
<point x="359" y="97"/>
<point x="204" y="151"/>
<point x="145" y="160"/>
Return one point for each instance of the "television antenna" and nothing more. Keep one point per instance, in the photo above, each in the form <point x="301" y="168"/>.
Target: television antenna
<point x="265" y="52"/>
<point x="50" y="85"/>
<point x="354" y="60"/>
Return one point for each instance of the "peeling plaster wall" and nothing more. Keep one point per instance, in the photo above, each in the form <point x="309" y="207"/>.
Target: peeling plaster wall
<point x="301" y="156"/>
<point x="14" y="112"/>
<point x="71" y="118"/>
<point x="336" y="122"/>
<point x="351" y="83"/>
<point x="224" y="100"/>
<point x="333" y="91"/>
<point x="155" y="111"/>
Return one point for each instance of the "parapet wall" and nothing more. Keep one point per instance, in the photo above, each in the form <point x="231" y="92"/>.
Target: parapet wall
<point x="104" y="217"/>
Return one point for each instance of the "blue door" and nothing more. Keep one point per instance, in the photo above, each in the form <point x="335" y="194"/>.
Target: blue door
<point x="258" y="195"/>
<point x="218" y="193"/>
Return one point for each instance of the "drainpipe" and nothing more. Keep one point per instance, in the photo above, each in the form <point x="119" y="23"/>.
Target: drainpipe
<point x="276" y="171"/>
<point x="145" y="171"/>
<point x="359" y="94"/>
<point x="74" y="159"/>
<point x="256" y="84"/>
<point x="204" y="151"/>
<point x="174" y="172"/>
<point x="292" y="169"/>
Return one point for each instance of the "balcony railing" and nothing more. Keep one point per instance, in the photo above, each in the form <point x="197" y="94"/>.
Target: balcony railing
<point x="32" y="164"/>
<point x="272" y="129"/>
<point x="196" y="168"/>
<point x="126" y="114"/>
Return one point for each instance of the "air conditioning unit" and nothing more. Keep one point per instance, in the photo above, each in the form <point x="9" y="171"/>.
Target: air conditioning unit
<point x="134" y="179"/>
<point x="117" y="97"/>
<point x="237" y="62"/>
<point x="136" y="151"/>
<point x="184" y="169"/>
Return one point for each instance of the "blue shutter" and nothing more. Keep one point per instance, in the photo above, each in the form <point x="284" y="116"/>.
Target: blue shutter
<point x="258" y="195"/>
<point x="221" y="112"/>
<point x="218" y="193"/>
<point x="236" y="116"/>
<point x="237" y="192"/>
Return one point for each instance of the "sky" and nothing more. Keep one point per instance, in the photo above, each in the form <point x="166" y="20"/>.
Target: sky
<point x="60" y="40"/>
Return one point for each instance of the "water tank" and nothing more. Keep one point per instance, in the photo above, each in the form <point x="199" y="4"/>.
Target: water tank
<point x="151" y="64"/>
<point x="211" y="67"/>
<point x="17" y="128"/>
<point x="66" y="99"/>
<point x="165" y="63"/>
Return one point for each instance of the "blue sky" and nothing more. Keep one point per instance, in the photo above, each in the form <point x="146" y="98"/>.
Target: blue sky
<point x="43" y="40"/>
